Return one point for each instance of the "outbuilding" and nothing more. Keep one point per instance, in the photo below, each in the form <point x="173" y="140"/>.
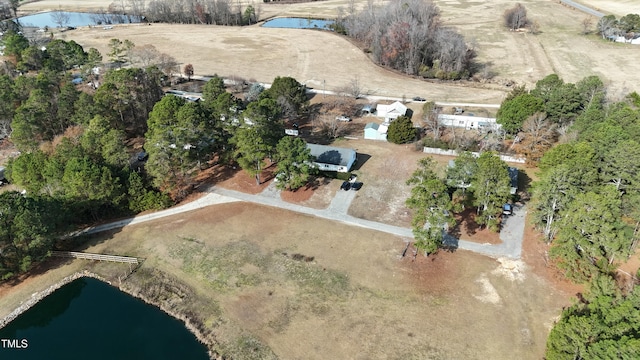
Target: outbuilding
<point x="329" y="158"/>
<point x="373" y="131"/>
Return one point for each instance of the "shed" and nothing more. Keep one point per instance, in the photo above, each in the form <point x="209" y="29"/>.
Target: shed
<point x="373" y="131"/>
<point x="392" y="111"/>
<point x="329" y="158"/>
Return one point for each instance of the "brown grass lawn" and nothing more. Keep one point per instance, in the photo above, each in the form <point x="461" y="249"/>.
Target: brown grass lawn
<point x="355" y="299"/>
<point x="313" y="57"/>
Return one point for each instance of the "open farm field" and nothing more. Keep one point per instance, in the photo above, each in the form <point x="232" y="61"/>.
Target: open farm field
<point x="316" y="57"/>
<point x="347" y="295"/>
<point x="616" y="7"/>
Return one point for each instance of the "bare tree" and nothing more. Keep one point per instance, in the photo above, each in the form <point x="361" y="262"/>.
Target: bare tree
<point x="430" y="114"/>
<point x="60" y="17"/>
<point x="167" y="64"/>
<point x="145" y="55"/>
<point x="188" y="71"/>
<point x="587" y="23"/>
<point x="538" y="134"/>
<point x="355" y="88"/>
<point x="607" y="26"/>
<point x="327" y="125"/>
<point x="516" y="17"/>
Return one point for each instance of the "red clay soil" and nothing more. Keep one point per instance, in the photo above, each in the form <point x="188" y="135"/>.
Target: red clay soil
<point x="535" y="254"/>
<point x="234" y="178"/>
<point x="467" y="229"/>
<point x="436" y="273"/>
<point x="298" y="196"/>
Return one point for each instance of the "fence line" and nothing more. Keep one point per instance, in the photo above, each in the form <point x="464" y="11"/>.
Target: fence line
<point x="99" y="257"/>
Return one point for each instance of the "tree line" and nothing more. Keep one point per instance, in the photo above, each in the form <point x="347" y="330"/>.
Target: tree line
<point x="539" y="117"/>
<point x="586" y="204"/>
<point x="76" y="149"/>
<point x="214" y="12"/>
<point x="628" y="26"/>
<point x="409" y="36"/>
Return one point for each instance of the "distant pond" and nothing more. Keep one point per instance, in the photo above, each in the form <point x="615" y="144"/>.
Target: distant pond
<point x="298" y="23"/>
<point x="88" y="319"/>
<point x="55" y="19"/>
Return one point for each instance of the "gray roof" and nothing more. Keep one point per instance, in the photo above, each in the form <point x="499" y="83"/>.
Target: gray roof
<point x="331" y="155"/>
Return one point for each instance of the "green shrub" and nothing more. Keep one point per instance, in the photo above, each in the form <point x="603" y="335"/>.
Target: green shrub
<point x="401" y="131"/>
<point x="336" y="175"/>
<point x="438" y="144"/>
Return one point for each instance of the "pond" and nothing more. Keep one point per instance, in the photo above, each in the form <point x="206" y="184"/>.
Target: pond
<point x="88" y="319"/>
<point x="74" y="19"/>
<point x="298" y="23"/>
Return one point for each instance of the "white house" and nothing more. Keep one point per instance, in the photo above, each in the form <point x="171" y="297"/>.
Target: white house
<point x="469" y="122"/>
<point x="373" y="131"/>
<point x="329" y="158"/>
<point x="391" y="112"/>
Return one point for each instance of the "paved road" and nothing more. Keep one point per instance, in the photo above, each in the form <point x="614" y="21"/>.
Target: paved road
<point x="511" y="235"/>
<point x="583" y="8"/>
<point x="209" y="199"/>
<point x="368" y="97"/>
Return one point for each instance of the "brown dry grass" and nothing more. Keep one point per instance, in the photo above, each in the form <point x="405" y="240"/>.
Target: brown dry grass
<point x="313" y="57"/>
<point x="355" y="300"/>
<point x="384" y="168"/>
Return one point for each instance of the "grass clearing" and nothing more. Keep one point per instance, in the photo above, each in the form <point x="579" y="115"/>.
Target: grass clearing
<point x="293" y="286"/>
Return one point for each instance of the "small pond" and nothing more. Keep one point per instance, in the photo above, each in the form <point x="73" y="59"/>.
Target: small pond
<point x="298" y="23"/>
<point x="56" y="19"/>
<point x="88" y="319"/>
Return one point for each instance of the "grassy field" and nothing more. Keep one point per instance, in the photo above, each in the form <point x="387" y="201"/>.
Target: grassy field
<point x="311" y="57"/>
<point x="266" y="283"/>
<point x="293" y="287"/>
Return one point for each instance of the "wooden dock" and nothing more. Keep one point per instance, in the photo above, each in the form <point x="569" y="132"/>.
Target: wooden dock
<point x="99" y="257"/>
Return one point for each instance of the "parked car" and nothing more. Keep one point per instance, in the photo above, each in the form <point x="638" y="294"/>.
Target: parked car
<point x="356" y="186"/>
<point x="345" y="186"/>
<point x="418" y="98"/>
<point x="507" y="209"/>
<point x="343" y="118"/>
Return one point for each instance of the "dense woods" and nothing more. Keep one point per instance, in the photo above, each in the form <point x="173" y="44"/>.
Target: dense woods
<point x="409" y="37"/>
<point x="81" y="146"/>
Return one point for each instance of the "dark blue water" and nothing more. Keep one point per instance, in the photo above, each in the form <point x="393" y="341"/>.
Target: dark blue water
<point x="75" y="19"/>
<point x="298" y="23"/>
<point x="88" y="319"/>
